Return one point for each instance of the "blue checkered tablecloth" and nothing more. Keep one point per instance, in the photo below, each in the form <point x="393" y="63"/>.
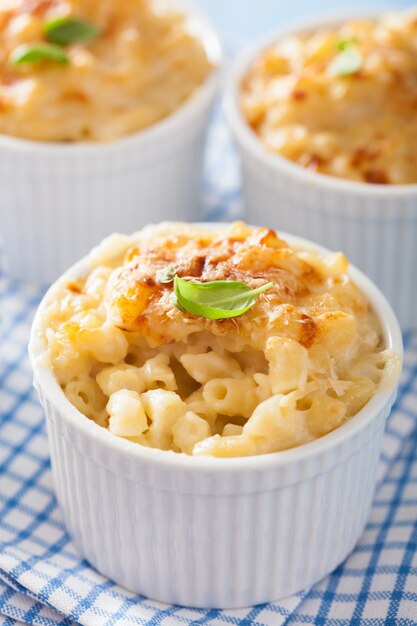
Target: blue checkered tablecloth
<point x="43" y="581"/>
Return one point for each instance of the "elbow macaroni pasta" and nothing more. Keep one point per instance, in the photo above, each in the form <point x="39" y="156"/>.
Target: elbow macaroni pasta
<point x="127" y="417"/>
<point x="307" y="356"/>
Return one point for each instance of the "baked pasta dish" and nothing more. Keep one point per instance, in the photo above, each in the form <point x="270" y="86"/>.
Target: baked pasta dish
<point x="340" y="100"/>
<point x="82" y="70"/>
<point x="220" y="342"/>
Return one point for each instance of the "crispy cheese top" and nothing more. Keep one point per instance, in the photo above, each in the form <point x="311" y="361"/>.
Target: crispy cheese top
<point x="309" y="301"/>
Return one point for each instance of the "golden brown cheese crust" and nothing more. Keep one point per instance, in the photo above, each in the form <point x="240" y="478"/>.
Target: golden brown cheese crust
<point x="144" y="66"/>
<point x="300" y="296"/>
<point x="361" y="126"/>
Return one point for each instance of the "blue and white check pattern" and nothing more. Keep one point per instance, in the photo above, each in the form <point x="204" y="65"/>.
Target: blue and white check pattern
<point x="43" y="581"/>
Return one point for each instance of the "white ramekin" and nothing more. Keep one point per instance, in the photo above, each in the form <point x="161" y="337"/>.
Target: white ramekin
<point x="376" y="226"/>
<point x="206" y="532"/>
<point x="58" y="200"/>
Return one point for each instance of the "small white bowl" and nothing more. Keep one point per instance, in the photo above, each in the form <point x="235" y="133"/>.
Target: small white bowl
<point x="376" y="226"/>
<point x="209" y="532"/>
<point x="58" y="200"/>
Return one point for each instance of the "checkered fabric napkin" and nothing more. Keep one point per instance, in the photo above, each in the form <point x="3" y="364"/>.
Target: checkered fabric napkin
<point x="43" y="580"/>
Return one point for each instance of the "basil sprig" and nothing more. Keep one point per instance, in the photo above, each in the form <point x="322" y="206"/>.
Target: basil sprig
<point x="215" y="300"/>
<point x="34" y="53"/>
<point x="349" y="60"/>
<point x="59" y="32"/>
<point x="66" y="30"/>
<point x="342" y="44"/>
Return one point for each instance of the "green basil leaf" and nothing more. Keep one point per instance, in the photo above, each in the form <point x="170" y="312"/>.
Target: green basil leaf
<point x="347" y="62"/>
<point x="215" y="300"/>
<point x="66" y="30"/>
<point x="166" y="275"/>
<point x="342" y="44"/>
<point x="34" y="53"/>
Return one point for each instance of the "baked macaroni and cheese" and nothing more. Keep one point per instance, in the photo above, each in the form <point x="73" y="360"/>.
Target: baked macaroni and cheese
<point x="215" y="342"/>
<point x="340" y="100"/>
<point x="76" y="70"/>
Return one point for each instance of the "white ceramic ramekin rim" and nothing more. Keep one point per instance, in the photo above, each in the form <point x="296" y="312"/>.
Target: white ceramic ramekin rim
<point x="205" y="30"/>
<point x="248" y="139"/>
<point x="45" y="379"/>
